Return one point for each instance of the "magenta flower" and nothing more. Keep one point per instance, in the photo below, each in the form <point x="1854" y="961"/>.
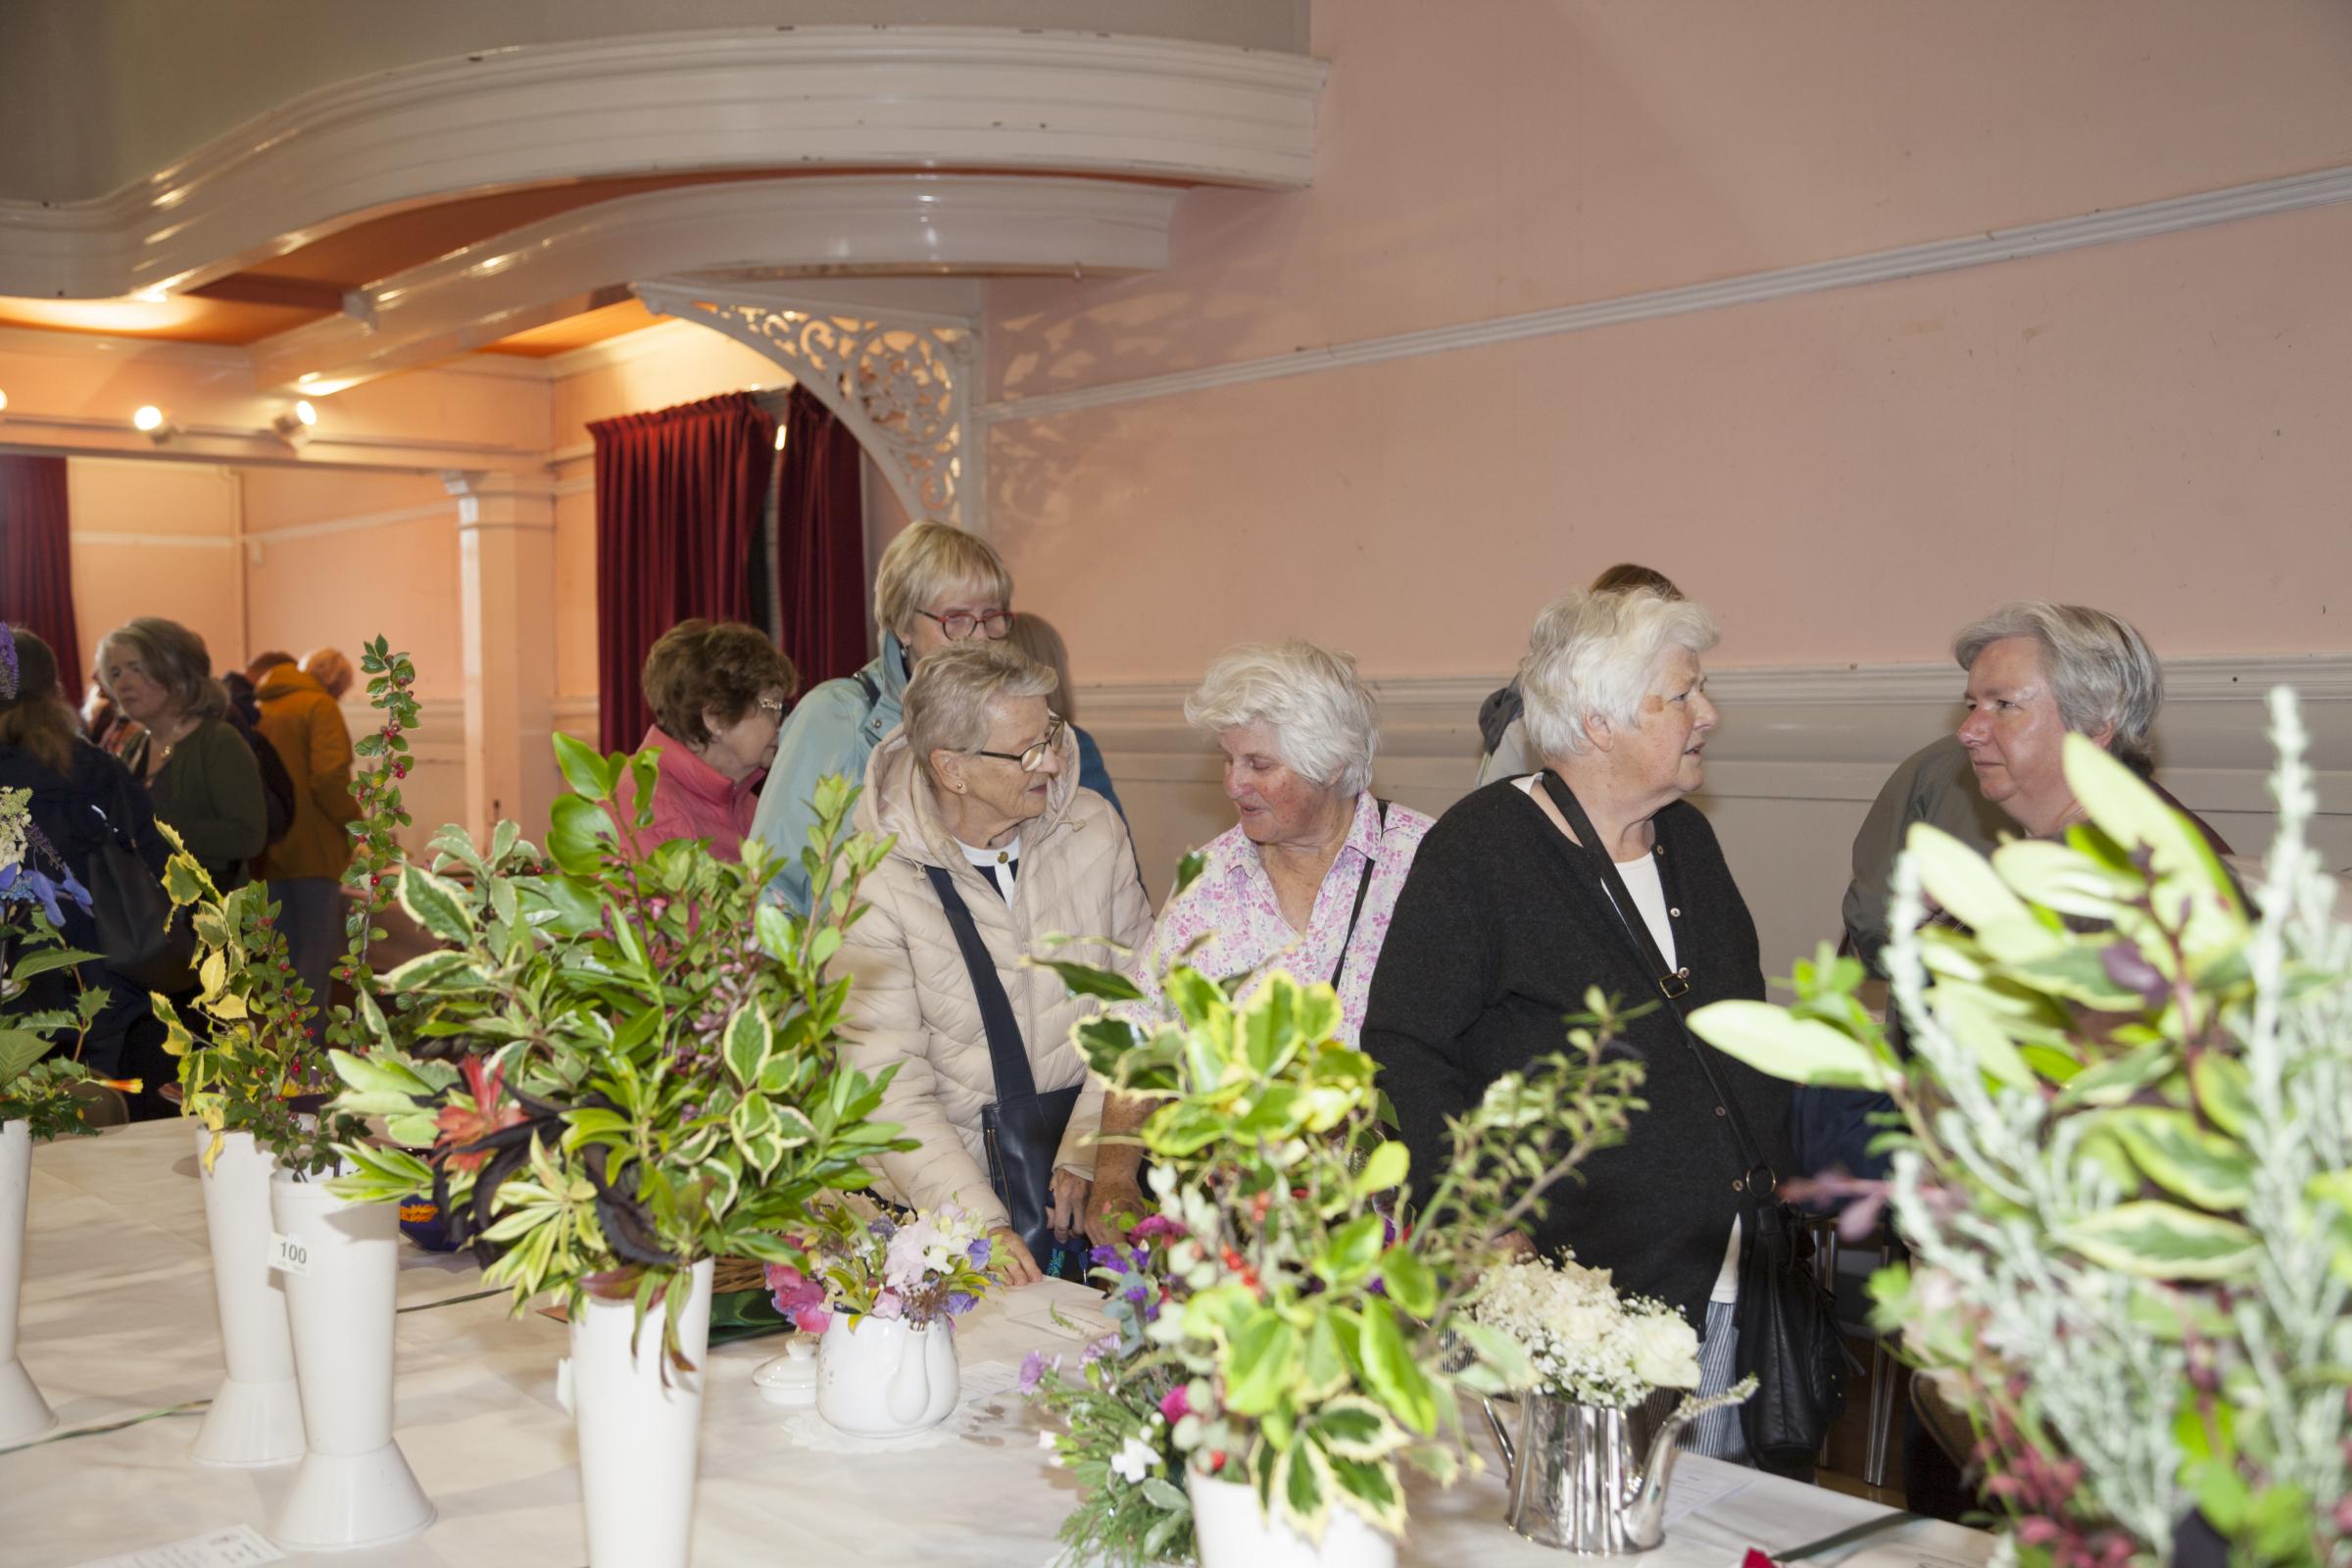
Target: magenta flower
<point x="1175" y="1405"/>
<point x="1151" y="1225"/>
<point x="800" y="1299"/>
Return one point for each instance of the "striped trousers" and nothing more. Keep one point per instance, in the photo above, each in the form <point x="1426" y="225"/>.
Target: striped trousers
<point x="1717" y="1433"/>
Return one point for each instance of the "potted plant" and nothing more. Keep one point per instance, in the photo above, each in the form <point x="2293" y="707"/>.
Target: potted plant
<point x="2122" y="1158"/>
<point x="885" y="1297"/>
<point x="619" y="1067"/>
<point x="256" y="1085"/>
<point x="37" y="1094"/>
<point x="1286" y="1341"/>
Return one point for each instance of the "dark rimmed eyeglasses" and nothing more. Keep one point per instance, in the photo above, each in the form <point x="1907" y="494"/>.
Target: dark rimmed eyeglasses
<point x="957" y="624"/>
<point x="1035" y="756"/>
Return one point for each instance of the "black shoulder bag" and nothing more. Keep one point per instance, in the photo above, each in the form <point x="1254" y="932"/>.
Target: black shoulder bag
<point x="1787" y="1323"/>
<point x="1022" y="1129"/>
<point x="140" y="939"/>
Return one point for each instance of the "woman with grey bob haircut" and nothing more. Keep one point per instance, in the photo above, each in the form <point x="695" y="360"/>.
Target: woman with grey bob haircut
<point x="2100" y="670"/>
<point x="1304" y="880"/>
<point x="994" y="840"/>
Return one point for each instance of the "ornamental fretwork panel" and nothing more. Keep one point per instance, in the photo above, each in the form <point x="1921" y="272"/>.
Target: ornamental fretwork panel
<point x="902" y="389"/>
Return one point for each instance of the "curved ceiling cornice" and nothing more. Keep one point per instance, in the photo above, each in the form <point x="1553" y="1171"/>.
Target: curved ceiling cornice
<point x="879" y="223"/>
<point x="842" y="97"/>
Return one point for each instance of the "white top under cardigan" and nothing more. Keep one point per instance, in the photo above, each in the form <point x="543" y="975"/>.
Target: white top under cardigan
<point x="1641" y="880"/>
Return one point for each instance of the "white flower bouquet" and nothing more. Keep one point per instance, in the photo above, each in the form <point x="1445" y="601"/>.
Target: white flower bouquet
<point x="1586" y="1342"/>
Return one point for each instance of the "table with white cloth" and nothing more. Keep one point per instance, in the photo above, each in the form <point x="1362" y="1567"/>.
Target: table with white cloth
<point x="119" y="1322"/>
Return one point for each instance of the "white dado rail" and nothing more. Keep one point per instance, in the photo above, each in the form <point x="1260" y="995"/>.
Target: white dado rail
<point x="1797" y="759"/>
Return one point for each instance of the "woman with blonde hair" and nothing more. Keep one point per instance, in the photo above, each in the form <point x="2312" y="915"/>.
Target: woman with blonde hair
<point x="936" y="585"/>
<point x="198" y="769"/>
<point x="997" y="848"/>
<point x="329" y="669"/>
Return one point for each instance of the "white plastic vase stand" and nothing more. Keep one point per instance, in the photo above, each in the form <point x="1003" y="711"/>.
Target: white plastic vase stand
<point x="640" y="1429"/>
<point x="1233" y="1532"/>
<point x="355" y="1488"/>
<point x="255" y="1417"/>
<point x="22" y="1410"/>
<point x="878" y="1378"/>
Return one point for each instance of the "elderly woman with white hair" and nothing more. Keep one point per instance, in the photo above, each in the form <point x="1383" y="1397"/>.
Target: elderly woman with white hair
<point x="997" y="848"/>
<point x="1307" y="878"/>
<point x="935" y="585"/>
<point x="1533" y="890"/>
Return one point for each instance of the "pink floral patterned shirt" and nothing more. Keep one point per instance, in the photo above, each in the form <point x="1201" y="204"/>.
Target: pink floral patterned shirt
<point x="1232" y="901"/>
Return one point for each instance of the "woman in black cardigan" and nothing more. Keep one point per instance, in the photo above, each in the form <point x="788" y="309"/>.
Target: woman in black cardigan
<point x="1505" y="921"/>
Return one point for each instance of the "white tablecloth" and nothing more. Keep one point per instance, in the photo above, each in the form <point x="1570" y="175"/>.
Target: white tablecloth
<point x="118" y="1320"/>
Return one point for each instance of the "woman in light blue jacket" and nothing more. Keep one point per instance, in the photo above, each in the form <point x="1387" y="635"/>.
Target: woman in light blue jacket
<point x="936" y="585"/>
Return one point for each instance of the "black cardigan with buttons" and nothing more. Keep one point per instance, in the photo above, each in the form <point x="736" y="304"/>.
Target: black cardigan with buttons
<point x="1499" y="929"/>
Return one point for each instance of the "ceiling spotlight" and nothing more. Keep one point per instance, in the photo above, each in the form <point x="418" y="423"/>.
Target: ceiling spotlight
<point x="2" y="404"/>
<point x="154" y="423"/>
<point x="293" y="426"/>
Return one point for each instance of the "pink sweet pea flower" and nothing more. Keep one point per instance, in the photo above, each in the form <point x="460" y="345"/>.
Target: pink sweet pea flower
<point x="887" y="1306"/>
<point x="1175" y="1405"/>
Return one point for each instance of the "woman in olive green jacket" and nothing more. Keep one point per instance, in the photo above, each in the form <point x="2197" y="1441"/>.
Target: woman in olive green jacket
<point x="198" y="770"/>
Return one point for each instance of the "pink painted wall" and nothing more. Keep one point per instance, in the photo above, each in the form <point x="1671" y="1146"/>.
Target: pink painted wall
<point x="395" y="576"/>
<point x="154" y="538"/>
<point x="2148" y="425"/>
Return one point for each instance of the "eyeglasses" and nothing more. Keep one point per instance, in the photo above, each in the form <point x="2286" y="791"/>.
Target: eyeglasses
<point x="774" y="705"/>
<point x="1035" y="756"/>
<point x="957" y="624"/>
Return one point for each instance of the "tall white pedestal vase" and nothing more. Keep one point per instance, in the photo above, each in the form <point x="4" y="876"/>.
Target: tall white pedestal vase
<point x="22" y="1410"/>
<point x="255" y="1417"/>
<point x="355" y="1488"/>
<point x="1234" y="1532"/>
<point x="640" y="1427"/>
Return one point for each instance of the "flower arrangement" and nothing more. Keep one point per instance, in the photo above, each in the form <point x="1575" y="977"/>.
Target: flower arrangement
<point x="1583" y="1342"/>
<point x="2123" y="1168"/>
<point x="1289" y="1331"/>
<point x="930" y="1270"/>
<point x="35" y="885"/>
<point x="621" y="1065"/>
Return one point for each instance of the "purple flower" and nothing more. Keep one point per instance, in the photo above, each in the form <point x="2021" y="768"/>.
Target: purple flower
<point x="979" y="1252"/>
<point x="1033" y="1370"/>
<point x="1106" y="1257"/>
<point x="1096" y="1349"/>
<point x="960" y="1303"/>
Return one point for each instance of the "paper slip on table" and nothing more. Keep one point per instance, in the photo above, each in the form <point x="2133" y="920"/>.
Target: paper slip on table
<point x="119" y="1322"/>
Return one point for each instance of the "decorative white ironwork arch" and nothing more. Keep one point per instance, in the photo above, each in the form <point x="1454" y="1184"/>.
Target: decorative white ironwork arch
<point x="902" y="382"/>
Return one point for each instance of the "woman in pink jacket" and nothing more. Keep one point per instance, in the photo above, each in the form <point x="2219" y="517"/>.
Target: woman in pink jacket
<point x="718" y="691"/>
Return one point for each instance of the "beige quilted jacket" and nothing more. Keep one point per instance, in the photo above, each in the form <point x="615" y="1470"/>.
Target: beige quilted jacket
<point x="911" y="1003"/>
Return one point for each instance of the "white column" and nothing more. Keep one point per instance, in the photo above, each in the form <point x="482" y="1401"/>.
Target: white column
<point x="507" y="612"/>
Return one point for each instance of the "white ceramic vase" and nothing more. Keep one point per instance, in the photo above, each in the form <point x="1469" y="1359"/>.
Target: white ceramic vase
<point x="878" y="1378"/>
<point x="640" y="1427"/>
<point x="22" y="1410"/>
<point x="255" y="1417"/>
<point x="355" y="1488"/>
<point x="1234" y="1532"/>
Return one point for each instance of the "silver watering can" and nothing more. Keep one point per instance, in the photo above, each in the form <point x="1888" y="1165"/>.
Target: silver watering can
<point x="1593" y="1479"/>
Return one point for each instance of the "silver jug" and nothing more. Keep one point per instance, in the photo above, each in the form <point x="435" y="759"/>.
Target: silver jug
<point x="1591" y="1480"/>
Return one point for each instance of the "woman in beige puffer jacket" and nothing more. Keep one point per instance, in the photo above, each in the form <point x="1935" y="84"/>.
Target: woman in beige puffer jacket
<point x="982" y="781"/>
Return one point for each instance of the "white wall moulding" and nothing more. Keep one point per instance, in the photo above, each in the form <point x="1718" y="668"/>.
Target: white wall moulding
<point x="527" y="277"/>
<point x="2323" y="188"/>
<point x="903" y="384"/>
<point x="916" y="97"/>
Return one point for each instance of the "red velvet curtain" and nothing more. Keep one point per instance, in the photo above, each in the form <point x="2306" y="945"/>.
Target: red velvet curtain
<point x="820" y="544"/>
<point x="36" y="561"/>
<point x="679" y="497"/>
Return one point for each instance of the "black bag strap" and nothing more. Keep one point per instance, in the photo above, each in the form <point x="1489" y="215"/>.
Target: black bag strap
<point x="1364" y="884"/>
<point x="1007" y="1054"/>
<point x="1673" y="984"/>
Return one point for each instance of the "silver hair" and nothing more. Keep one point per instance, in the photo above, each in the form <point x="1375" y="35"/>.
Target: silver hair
<point x="1325" y="719"/>
<point x="2100" y="668"/>
<point x="945" y="705"/>
<point x="1594" y="656"/>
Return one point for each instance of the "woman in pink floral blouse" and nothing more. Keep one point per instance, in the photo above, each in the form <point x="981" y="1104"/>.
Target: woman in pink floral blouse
<point x="1307" y="878"/>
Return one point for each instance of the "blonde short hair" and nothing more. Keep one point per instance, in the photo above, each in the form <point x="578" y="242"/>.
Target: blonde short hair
<point x="329" y="669"/>
<point x="176" y="659"/>
<point x="945" y="705"/>
<point x="1594" y="654"/>
<point x="1325" y="720"/>
<point x="928" y="559"/>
